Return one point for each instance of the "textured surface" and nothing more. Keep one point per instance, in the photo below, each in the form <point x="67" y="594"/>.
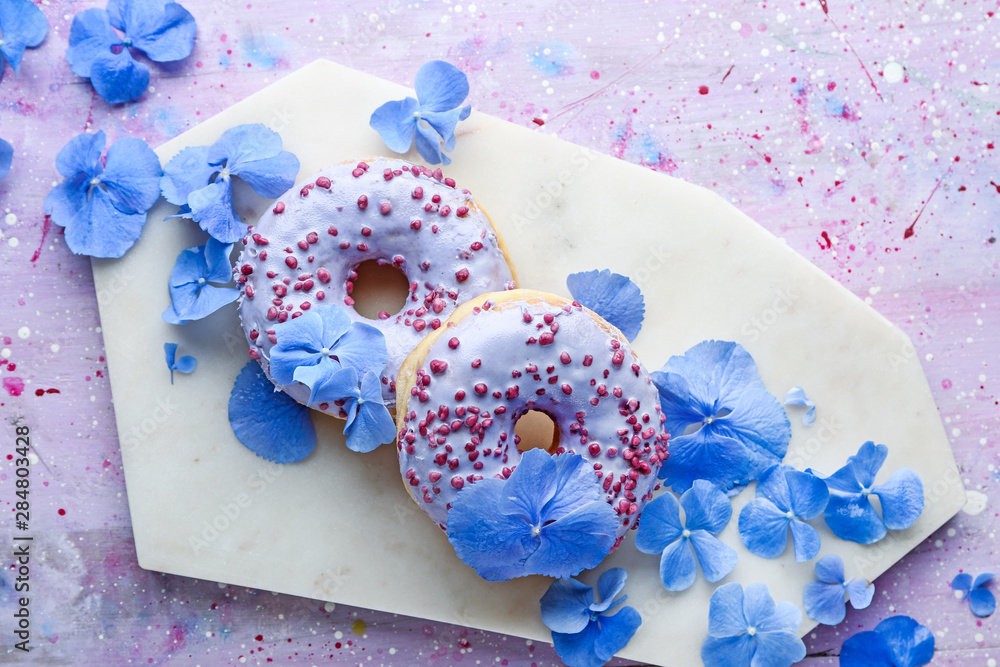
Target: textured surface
<point x="798" y="116"/>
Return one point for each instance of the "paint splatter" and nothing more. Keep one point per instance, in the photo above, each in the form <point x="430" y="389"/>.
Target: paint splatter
<point x="553" y="58"/>
<point x="13" y="385"/>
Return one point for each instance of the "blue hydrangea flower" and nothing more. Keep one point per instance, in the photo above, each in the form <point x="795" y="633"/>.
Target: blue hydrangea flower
<point x="185" y="364"/>
<point x="103" y="203"/>
<point x="850" y="513"/>
<point x="200" y="179"/>
<point x="706" y="512"/>
<point x="321" y="348"/>
<point x="369" y="423"/>
<point x="6" y="158"/>
<point x="192" y="297"/>
<point x="797" y="396"/>
<point x="582" y="634"/>
<point x="825" y="597"/>
<point x="550" y="517"/>
<point x="724" y="426"/>
<point x="22" y="26"/>
<point x="898" y="641"/>
<point x="786" y="499"/>
<point x="163" y="30"/>
<point x="612" y="296"/>
<point x="981" y="600"/>
<point x="748" y="628"/>
<point x="431" y="118"/>
<point x="269" y="422"/>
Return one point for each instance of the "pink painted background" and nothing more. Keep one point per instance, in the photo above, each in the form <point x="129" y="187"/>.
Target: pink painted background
<point x="863" y="134"/>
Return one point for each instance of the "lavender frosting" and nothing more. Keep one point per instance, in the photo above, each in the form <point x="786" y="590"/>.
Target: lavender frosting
<point x="522" y="351"/>
<point x="305" y="251"/>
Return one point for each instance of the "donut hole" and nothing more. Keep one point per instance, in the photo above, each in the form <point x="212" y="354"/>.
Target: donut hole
<point x="379" y="289"/>
<point x="536" y="430"/>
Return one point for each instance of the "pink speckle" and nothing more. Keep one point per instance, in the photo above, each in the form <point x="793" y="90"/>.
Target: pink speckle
<point x="223" y="37"/>
<point x="946" y="383"/>
<point x="703" y="90"/>
<point x="595" y="75"/>
<point x="746" y="30"/>
<point x="13" y="385"/>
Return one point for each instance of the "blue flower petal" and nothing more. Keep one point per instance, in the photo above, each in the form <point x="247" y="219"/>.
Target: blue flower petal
<point x="484" y="539"/>
<point x="615" y="632"/>
<point x="212" y="209"/>
<point x="758" y="605"/>
<point x="678" y="566"/>
<point x="660" y="525"/>
<point x="299" y="342"/>
<point x="983" y="579"/>
<point x="982" y="602"/>
<point x="759" y="422"/>
<point x="64" y="202"/>
<point x="132" y="175"/>
<point x="962" y="582"/>
<point x="681" y="406"/>
<point x="189" y="303"/>
<point x="244" y="143"/>
<point x="797" y="396"/>
<point x="609" y="585"/>
<point x="716" y="559"/>
<point x="865" y="649"/>
<point x="80" y="158"/>
<point x="824" y="603"/>
<point x="778" y="649"/>
<point x="566" y="606"/>
<point x="186" y="172"/>
<point x="218" y="268"/>
<point x="860" y="593"/>
<point x="574" y="486"/>
<point x="185" y="364"/>
<point x="730" y="651"/>
<point x="786" y="617"/>
<point x="706" y="507"/>
<point x="577" y="650"/>
<point x="725" y="611"/>
<point x="327" y="381"/>
<point x="578" y="541"/>
<point x="362" y="348"/>
<point x="429" y="145"/>
<point x="853" y="518"/>
<point x="806" y="540"/>
<point x="830" y="569"/>
<point x="90" y="37"/>
<point x="100" y="230"/>
<point x="704" y="455"/>
<point x="119" y="77"/>
<point x="612" y="296"/>
<point x="530" y="487"/>
<point x="910" y="643"/>
<point x="6" y="158"/>
<point x="809" y="495"/>
<point x="270" y="177"/>
<point x="773" y="485"/>
<point x="371" y="425"/>
<point x="444" y="123"/>
<point x="902" y="499"/>
<point x="440" y="86"/>
<point x="763" y="528"/>
<point x="23" y="25"/>
<point x="269" y="422"/>
<point x="867" y="462"/>
<point x="395" y="123"/>
<point x="164" y="30"/>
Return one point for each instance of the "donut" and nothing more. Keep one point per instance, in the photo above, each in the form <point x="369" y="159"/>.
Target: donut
<point x="305" y="251"/>
<point x="463" y="388"/>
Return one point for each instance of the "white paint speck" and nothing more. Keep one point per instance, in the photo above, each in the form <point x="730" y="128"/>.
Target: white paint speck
<point x="5" y="353"/>
<point x="893" y="73"/>
<point x="735" y="25"/>
<point x="330" y="606"/>
<point x="10" y="219"/>
<point x="54" y="347"/>
<point x="975" y="502"/>
<point x="13" y="242"/>
<point x="23" y="333"/>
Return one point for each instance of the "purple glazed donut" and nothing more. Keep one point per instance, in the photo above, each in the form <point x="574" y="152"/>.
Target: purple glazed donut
<point x="306" y="250"/>
<point x="461" y="391"/>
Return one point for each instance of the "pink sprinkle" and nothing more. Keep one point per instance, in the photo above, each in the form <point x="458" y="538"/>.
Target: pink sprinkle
<point x="438" y="366"/>
<point x="450" y="182"/>
<point x="480" y="388"/>
<point x="323" y="275"/>
<point x="462" y="275"/>
<point x="476" y="245"/>
<point x="434" y="476"/>
<point x="617" y="358"/>
<point x="385" y="207"/>
<point x="303" y="245"/>
<point x="304" y="192"/>
<point x="595" y="449"/>
<point x="278" y="208"/>
<point x="565" y="358"/>
<point x="349" y="301"/>
<point x="272" y="313"/>
<point x="282" y="316"/>
<point x="246" y="269"/>
<point x="366" y="231"/>
<point x="588" y="360"/>
<point x="254" y="354"/>
<point x="462" y="211"/>
<point x="280" y="290"/>
<point x="419" y="325"/>
<point x="457" y="481"/>
<point x="320" y="295"/>
<point x="323" y="182"/>
<point x="249" y="291"/>
<point x="566" y="389"/>
<point x="312" y="237"/>
<point x="291" y="262"/>
<point x="453" y="343"/>
<point x="418" y="193"/>
<point x="546" y="338"/>
<point x="357" y="172"/>
<point x="387" y="174"/>
<point x="415" y="225"/>
<point x="363" y="202"/>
